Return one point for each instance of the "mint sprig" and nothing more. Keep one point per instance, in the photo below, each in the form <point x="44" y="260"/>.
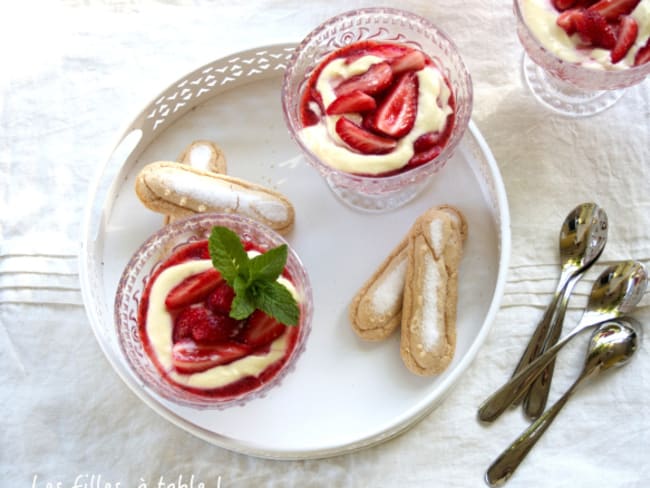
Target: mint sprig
<point x="254" y="280"/>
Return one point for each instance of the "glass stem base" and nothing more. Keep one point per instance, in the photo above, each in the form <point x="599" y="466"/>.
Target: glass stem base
<point x="564" y="98"/>
<point x="375" y="202"/>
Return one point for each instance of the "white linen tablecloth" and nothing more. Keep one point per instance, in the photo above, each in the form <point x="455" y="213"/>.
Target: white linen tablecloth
<point x="73" y="72"/>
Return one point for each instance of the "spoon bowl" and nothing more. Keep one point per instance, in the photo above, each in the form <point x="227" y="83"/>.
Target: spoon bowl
<point x="616" y="292"/>
<point x="613" y="344"/>
<point x="583" y="236"/>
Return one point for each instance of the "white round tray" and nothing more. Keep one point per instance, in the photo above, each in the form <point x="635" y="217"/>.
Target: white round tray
<point x="344" y="394"/>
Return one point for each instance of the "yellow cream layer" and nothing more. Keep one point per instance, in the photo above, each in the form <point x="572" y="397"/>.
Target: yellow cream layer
<point x="160" y="326"/>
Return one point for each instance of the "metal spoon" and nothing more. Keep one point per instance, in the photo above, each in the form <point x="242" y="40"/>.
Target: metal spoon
<point x="616" y="292"/>
<point x="611" y="345"/>
<point x="582" y="239"/>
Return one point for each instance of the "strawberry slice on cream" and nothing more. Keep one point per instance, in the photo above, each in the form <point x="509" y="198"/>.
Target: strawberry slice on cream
<point x="367" y="103"/>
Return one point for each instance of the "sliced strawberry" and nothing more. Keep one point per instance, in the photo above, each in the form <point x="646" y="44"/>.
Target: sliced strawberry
<point x="188" y="357"/>
<point x="193" y="289"/>
<point x="354" y="102"/>
<point x="567" y="20"/>
<point x="594" y="30"/>
<point x="261" y="330"/>
<point x="220" y="300"/>
<point x="424" y="156"/>
<point x="613" y="9"/>
<point x="642" y="55"/>
<point x="375" y="80"/>
<point x="427" y="141"/>
<point x="412" y="61"/>
<point x="362" y="140"/>
<point x="396" y="113"/>
<point x="626" y="37"/>
<point x="563" y="5"/>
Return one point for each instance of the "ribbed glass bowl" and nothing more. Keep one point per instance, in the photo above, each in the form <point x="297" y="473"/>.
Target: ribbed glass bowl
<point x="377" y="193"/>
<point x="144" y="264"/>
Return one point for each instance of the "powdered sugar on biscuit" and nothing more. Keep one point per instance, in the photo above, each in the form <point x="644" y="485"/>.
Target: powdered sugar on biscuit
<point x="200" y="156"/>
<point x="430" y="312"/>
<point x="437" y="234"/>
<point x="214" y="193"/>
<point x="388" y="293"/>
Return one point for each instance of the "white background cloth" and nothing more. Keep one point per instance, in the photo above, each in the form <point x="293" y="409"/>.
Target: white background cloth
<point x="73" y="72"/>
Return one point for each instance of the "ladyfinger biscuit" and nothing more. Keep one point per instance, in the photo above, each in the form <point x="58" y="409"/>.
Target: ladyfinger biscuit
<point x="376" y="309"/>
<point x="176" y="189"/>
<point x="428" y="327"/>
<point x="204" y="155"/>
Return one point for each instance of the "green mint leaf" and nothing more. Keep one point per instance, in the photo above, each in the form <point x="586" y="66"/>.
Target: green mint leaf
<point x="243" y="304"/>
<point x="228" y="254"/>
<point x="275" y="300"/>
<point x="253" y="280"/>
<point x="269" y="265"/>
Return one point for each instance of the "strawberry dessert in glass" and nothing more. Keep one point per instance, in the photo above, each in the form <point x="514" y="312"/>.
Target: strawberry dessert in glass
<point x="213" y="311"/>
<point x="377" y="99"/>
<point x="580" y="54"/>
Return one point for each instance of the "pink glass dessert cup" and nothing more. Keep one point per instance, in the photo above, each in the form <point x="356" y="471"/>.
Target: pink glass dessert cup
<point x="569" y="88"/>
<point x="368" y="192"/>
<point x="144" y="264"/>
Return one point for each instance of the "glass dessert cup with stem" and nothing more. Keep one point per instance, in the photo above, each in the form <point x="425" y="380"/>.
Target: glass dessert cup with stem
<point x="377" y="193"/>
<point x="566" y="87"/>
<point x="143" y="267"/>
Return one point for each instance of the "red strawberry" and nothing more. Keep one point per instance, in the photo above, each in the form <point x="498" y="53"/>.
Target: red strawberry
<point x="361" y="140"/>
<point x="613" y="9"/>
<point x="188" y="357"/>
<point x="567" y="20"/>
<point x="594" y="30"/>
<point x="378" y="77"/>
<point x="425" y="156"/>
<point x="203" y="326"/>
<point x="193" y="289"/>
<point x="412" y="61"/>
<point x="220" y="300"/>
<point x="626" y="37"/>
<point x="218" y="328"/>
<point x="562" y="5"/>
<point x="183" y="323"/>
<point x="396" y="113"/>
<point x="261" y="329"/>
<point x="643" y="54"/>
<point x="355" y="101"/>
<point x="427" y="141"/>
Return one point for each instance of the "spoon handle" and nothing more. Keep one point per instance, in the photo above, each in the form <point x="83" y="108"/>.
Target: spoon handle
<point x="496" y="403"/>
<point x="506" y="464"/>
<point x="536" y="343"/>
<point x="535" y="401"/>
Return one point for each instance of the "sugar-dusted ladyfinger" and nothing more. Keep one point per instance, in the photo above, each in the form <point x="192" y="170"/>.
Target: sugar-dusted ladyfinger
<point x="180" y="190"/>
<point x="428" y="327"/>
